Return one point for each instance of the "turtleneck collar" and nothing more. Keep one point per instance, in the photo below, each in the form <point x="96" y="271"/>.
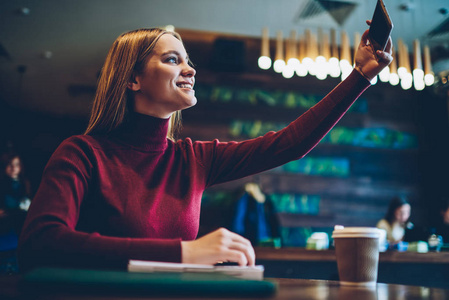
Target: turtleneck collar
<point x="143" y="132"/>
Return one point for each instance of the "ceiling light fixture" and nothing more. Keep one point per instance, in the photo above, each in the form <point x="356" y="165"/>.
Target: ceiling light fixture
<point x="394" y="77"/>
<point x="429" y="77"/>
<point x="265" y="59"/>
<point x="279" y="62"/>
<point x="321" y="57"/>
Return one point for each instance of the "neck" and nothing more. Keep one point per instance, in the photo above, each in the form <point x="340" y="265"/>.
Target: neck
<point x="140" y="107"/>
<point x="144" y="132"/>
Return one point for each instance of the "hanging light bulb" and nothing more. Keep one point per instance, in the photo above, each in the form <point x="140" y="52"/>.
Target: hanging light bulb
<point x="334" y="66"/>
<point x="293" y="56"/>
<point x="406" y="84"/>
<point x="408" y="77"/>
<point x="264" y="60"/>
<point x="401" y="57"/>
<point x="418" y="73"/>
<point x="288" y="72"/>
<point x="313" y="54"/>
<point x="301" y="69"/>
<point x="323" y="56"/>
<point x="419" y="85"/>
<point x="345" y="57"/>
<point x="429" y="77"/>
<point x="279" y="63"/>
<point x="307" y="60"/>
<point x="394" y="77"/>
<point x="289" y="69"/>
<point x="384" y="75"/>
<point x="170" y="28"/>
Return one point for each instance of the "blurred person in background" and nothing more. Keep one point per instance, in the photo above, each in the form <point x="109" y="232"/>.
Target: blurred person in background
<point x="15" y="195"/>
<point x="396" y="220"/>
<point x="254" y="216"/>
<point x="442" y="224"/>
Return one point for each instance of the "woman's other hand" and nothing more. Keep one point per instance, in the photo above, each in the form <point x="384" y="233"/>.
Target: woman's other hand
<point x="220" y="245"/>
<point x="368" y="63"/>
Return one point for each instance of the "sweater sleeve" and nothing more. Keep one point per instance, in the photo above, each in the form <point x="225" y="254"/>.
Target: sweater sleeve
<point x="50" y="236"/>
<point x="234" y="160"/>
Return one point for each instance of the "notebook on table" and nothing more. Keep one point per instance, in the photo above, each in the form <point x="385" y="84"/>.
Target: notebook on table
<point x="244" y="272"/>
<point x="104" y="282"/>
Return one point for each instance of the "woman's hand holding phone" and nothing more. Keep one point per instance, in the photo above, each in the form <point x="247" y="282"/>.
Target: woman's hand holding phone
<point x="370" y="62"/>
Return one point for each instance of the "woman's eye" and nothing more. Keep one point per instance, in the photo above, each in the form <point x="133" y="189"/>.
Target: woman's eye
<point x="172" y="59"/>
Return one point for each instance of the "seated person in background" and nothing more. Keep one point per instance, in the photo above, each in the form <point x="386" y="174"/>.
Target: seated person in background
<point x="396" y="220"/>
<point x="442" y="225"/>
<point x="255" y="217"/>
<point x="14" y="194"/>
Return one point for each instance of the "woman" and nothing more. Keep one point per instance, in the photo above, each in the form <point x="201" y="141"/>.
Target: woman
<point x="126" y="190"/>
<point x="396" y="220"/>
<point x="14" y="194"/>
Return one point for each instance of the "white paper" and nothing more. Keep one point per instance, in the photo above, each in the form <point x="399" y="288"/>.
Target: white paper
<point x="255" y="273"/>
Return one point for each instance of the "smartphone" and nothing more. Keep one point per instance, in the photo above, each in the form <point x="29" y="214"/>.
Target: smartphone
<point x="381" y="27"/>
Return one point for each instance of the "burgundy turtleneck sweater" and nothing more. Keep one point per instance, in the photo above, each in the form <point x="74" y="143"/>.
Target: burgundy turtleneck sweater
<point x="134" y="194"/>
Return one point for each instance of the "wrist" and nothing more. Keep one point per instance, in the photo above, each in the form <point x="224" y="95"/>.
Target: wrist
<point x="185" y="252"/>
<point x="359" y="69"/>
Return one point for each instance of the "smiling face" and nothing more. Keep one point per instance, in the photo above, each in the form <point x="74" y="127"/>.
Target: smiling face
<point x="166" y="83"/>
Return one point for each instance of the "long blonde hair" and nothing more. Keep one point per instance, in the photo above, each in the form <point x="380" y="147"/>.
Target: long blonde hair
<point x="126" y="58"/>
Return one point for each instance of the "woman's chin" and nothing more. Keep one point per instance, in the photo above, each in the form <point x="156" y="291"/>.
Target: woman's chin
<point x="191" y="102"/>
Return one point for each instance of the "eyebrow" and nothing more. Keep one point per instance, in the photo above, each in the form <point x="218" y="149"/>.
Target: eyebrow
<point x="176" y="53"/>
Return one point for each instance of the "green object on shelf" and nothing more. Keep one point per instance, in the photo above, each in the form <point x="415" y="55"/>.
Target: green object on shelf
<point x="272" y="242"/>
<point x="296" y="203"/>
<point x="323" y="166"/>
<point x="382" y="138"/>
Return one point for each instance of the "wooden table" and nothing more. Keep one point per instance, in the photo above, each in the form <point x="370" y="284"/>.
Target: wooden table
<point x="409" y="268"/>
<point x="296" y="289"/>
<point x="267" y="253"/>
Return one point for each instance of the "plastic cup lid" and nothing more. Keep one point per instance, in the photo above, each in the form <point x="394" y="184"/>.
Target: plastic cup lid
<point x="352" y="232"/>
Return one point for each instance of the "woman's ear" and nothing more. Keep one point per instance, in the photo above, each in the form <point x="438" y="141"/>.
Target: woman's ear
<point x="134" y="84"/>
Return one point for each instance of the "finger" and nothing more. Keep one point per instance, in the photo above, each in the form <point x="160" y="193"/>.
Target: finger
<point x="235" y="241"/>
<point x="244" y="243"/>
<point x="368" y="22"/>
<point x="238" y="238"/>
<point x="234" y="256"/>
<point x="384" y="56"/>
<point x="245" y="250"/>
<point x="364" y="39"/>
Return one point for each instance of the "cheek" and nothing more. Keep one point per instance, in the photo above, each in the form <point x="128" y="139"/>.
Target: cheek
<point x="161" y="82"/>
<point x="9" y="171"/>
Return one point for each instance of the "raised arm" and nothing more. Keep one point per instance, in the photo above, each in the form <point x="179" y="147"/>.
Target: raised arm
<point x="233" y="160"/>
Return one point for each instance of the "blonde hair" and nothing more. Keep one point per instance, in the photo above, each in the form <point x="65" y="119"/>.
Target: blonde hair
<point x="113" y="99"/>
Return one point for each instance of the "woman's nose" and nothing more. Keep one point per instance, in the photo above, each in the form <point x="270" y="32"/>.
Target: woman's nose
<point x="189" y="71"/>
